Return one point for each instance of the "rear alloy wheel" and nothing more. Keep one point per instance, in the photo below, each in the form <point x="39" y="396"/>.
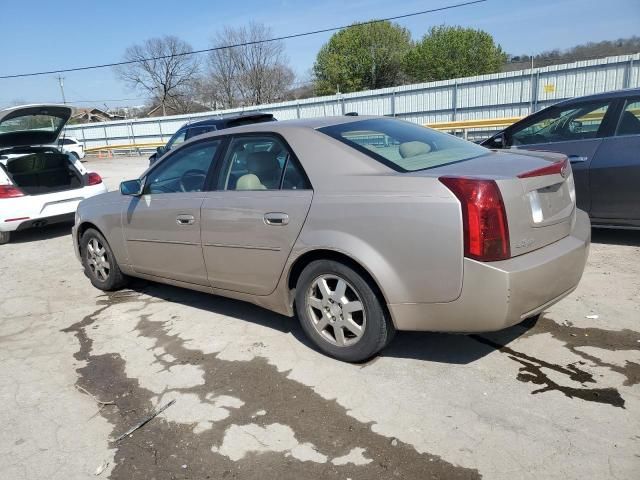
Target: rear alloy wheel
<point x="99" y="262"/>
<point x="5" y="237"/>
<point x="340" y="312"/>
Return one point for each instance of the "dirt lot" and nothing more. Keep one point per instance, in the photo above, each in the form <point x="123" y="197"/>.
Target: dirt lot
<point x="78" y="368"/>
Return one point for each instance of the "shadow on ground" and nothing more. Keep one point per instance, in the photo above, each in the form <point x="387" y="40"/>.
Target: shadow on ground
<point x="426" y="346"/>
<point x="43" y="233"/>
<point x="616" y="237"/>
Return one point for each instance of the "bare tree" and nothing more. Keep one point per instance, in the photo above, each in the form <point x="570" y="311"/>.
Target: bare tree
<point x="255" y="72"/>
<point x="162" y="70"/>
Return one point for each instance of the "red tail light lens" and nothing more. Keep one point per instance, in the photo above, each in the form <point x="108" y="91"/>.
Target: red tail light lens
<point x="484" y="218"/>
<point x="94" y="179"/>
<point x="556" y="168"/>
<point x="9" y="191"/>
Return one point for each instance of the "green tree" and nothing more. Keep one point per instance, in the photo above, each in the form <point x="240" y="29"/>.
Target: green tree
<point x="453" y="52"/>
<point x="362" y="57"/>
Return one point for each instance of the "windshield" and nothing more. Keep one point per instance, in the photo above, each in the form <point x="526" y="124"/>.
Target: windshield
<point x="403" y="146"/>
<point x="25" y="123"/>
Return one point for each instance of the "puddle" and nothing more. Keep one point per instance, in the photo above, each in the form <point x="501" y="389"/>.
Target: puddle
<point x="576" y="337"/>
<point x="532" y="371"/>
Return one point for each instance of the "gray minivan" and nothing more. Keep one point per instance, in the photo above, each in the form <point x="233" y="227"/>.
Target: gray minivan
<point x="601" y="136"/>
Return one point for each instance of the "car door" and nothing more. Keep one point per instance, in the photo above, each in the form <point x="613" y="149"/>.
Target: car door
<point x="162" y="226"/>
<point x="575" y="129"/>
<point x="250" y="224"/>
<point x="615" y="170"/>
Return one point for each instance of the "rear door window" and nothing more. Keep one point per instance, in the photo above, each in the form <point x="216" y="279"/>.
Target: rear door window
<point x="629" y="123"/>
<point x="261" y="163"/>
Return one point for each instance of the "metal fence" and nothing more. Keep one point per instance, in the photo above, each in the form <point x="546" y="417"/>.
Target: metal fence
<point x="509" y="94"/>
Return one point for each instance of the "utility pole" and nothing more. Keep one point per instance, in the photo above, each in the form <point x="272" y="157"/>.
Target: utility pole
<point x="61" y="81"/>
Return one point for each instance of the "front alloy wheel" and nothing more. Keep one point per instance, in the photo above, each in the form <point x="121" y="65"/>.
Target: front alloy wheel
<point x="97" y="259"/>
<point x="99" y="263"/>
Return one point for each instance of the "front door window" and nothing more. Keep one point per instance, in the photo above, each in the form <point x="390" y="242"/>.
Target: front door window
<point x="184" y="171"/>
<point x="576" y="122"/>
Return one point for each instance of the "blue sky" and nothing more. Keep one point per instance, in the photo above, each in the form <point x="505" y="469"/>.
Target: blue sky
<point x="43" y="35"/>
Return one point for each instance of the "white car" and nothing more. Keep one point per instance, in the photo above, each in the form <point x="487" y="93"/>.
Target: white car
<point x="71" y="145"/>
<point x="39" y="184"/>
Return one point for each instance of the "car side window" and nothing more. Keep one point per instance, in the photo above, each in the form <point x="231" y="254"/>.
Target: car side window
<point x="629" y="123"/>
<point x="575" y="122"/>
<point x="184" y="171"/>
<point x="192" y="132"/>
<point x="261" y="163"/>
<point x="177" y="139"/>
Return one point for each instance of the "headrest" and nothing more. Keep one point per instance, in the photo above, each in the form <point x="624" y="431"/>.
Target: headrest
<point x="412" y="149"/>
<point x="249" y="182"/>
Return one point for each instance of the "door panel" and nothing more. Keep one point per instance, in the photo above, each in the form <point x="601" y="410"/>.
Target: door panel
<point x="242" y="251"/>
<point x="162" y="227"/>
<point x="615" y="179"/>
<point x="158" y="244"/>
<point x="580" y="153"/>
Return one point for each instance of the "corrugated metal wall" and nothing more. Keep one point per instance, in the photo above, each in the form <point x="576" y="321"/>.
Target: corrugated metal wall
<point x="509" y="94"/>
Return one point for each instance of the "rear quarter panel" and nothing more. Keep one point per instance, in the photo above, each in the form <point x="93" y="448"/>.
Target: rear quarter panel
<point x="406" y="232"/>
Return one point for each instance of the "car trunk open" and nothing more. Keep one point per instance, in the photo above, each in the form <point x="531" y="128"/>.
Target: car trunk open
<point x="43" y="172"/>
<point x="28" y="164"/>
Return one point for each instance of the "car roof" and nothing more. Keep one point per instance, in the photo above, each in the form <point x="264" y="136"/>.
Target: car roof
<point x="305" y="123"/>
<point x="603" y="96"/>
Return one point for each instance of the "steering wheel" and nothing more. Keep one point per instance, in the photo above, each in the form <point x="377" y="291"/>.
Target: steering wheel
<point x="192" y="180"/>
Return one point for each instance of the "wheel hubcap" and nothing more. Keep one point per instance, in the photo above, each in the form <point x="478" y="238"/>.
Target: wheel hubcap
<point x="336" y="310"/>
<point x="97" y="260"/>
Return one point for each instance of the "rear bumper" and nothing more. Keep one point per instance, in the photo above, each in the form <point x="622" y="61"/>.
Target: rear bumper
<point x="29" y="211"/>
<point x="497" y="295"/>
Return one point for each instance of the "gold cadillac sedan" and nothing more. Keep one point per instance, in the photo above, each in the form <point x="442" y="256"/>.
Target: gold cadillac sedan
<point x="359" y="225"/>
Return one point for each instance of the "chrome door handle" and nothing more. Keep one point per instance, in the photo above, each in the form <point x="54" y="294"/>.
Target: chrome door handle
<point x="276" y="218"/>
<point x="578" y="159"/>
<point x="185" y="219"/>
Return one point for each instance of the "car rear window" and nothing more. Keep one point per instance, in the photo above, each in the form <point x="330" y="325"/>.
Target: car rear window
<point x="403" y="146"/>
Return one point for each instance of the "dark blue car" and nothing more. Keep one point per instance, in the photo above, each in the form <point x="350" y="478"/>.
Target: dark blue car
<point x="190" y="130"/>
<point x="601" y="136"/>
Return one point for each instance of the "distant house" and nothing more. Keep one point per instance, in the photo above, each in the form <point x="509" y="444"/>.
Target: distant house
<point x="89" y="115"/>
<point x="192" y="107"/>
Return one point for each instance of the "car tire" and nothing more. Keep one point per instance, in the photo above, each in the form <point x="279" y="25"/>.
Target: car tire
<point x="327" y="296"/>
<point x="99" y="263"/>
<point x="5" y="237"/>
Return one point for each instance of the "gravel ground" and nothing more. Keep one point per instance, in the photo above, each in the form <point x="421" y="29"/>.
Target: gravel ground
<point x="554" y="399"/>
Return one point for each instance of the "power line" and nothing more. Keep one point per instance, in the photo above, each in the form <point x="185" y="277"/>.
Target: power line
<point x="275" y="39"/>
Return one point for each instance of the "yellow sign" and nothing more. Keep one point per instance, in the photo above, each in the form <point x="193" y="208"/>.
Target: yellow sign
<point x="549" y="88"/>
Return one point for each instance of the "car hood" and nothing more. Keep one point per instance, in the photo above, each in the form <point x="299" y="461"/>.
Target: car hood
<point x="29" y="125"/>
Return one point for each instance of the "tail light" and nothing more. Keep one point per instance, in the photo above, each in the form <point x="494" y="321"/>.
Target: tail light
<point x="9" y="191"/>
<point x="556" y="168"/>
<point x="94" y="179"/>
<point x="484" y="218"/>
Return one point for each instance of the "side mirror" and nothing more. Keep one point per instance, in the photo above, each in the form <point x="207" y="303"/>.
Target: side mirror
<point x="159" y="151"/>
<point x="131" y="187"/>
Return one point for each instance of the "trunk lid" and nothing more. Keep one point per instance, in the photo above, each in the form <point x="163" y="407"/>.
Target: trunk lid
<point x="32" y="125"/>
<point x="536" y="187"/>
